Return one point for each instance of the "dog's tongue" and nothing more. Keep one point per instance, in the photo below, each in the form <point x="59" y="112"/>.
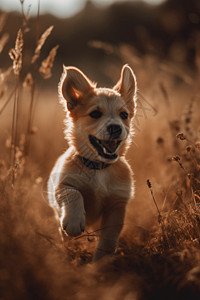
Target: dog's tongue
<point x="110" y="145"/>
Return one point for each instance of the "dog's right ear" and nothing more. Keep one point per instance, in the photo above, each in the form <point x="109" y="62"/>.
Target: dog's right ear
<point x="127" y="87"/>
<point x="75" y="87"/>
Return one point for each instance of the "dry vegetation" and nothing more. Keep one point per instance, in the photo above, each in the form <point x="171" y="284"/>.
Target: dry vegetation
<point x="159" y="250"/>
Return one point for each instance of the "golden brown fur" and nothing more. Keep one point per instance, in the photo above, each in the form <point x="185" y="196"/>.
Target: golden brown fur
<point x="98" y="129"/>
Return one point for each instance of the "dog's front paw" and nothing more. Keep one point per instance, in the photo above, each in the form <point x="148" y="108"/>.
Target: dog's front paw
<point x="73" y="225"/>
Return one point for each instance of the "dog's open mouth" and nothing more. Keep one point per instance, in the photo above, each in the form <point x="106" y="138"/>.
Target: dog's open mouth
<point x="105" y="148"/>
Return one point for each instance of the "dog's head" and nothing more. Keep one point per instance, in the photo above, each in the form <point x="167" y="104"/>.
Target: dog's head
<point x="98" y="120"/>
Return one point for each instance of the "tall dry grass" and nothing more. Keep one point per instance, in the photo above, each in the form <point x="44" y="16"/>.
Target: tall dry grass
<point x="158" y="254"/>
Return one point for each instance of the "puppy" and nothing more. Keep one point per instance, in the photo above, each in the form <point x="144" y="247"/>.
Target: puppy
<point x="92" y="180"/>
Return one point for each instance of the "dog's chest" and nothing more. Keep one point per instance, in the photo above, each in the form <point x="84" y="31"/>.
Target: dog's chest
<point x="104" y="185"/>
<point x="99" y="185"/>
<point x="101" y="182"/>
<point x="102" y="189"/>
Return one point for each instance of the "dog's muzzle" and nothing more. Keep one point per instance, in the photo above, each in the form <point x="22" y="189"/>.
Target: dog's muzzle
<point x="105" y="148"/>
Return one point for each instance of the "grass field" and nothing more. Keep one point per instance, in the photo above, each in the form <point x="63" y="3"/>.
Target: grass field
<point x="159" y="249"/>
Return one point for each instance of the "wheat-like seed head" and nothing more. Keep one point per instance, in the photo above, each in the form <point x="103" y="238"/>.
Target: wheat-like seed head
<point x="176" y="158"/>
<point x="47" y="63"/>
<point x="40" y="43"/>
<point x="181" y="136"/>
<point x="16" y="53"/>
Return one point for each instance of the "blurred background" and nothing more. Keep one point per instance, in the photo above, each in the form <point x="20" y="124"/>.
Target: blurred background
<point x="92" y="33"/>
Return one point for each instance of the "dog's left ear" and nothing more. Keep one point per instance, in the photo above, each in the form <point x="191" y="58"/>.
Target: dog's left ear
<point x="127" y="87"/>
<point x="74" y="86"/>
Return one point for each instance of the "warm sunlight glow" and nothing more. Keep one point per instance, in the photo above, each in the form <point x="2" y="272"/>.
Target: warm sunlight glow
<point x="60" y="8"/>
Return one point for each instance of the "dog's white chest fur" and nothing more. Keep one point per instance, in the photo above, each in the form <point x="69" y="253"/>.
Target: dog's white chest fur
<point x="106" y="184"/>
<point x="101" y="182"/>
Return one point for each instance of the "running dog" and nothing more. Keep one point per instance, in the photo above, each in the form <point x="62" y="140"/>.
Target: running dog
<point x="92" y="180"/>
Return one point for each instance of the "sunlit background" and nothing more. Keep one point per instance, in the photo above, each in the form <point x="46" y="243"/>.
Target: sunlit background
<point x="60" y="8"/>
<point x="78" y="24"/>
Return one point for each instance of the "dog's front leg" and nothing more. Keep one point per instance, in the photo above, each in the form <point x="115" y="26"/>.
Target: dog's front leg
<point x="71" y="203"/>
<point x="112" y="224"/>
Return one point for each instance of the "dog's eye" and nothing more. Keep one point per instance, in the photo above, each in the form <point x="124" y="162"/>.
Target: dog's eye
<point x="96" y="114"/>
<point x="124" y="115"/>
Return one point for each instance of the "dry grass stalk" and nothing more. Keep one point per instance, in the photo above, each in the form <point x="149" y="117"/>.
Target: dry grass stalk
<point x="16" y="53"/>
<point x="38" y="23"/>
<point x="3" y="18"/>
<point x="48" y="238"/>
<point x="46" y="68"/>
<point x="188" y="117"/>
<point x="30" y="119"/>
<point x="4" y="39"/>
<point x="3" y="77"/>
<point x="93" y="233"/>
<point x="40" y="43"/>
<point x="25" y="17"/>
<point x="9" y="98"/>
<point x="164" y="92"/>
<point x="178" y="160"/>
<point x="154" y="200"/>
<point x="197" y="55"/>
<point x="28" y="81"/>
<point x="181" y="136"/>
<point x="16" y="56"/>
<point x="14" y="133"/>
<point x="47" y="64"/>
<point x="160" y="218"/>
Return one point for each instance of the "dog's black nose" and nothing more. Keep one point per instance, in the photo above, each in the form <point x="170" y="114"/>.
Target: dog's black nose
<point x="114" y="131"/>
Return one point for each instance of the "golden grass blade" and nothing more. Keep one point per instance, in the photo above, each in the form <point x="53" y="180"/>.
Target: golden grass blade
<point x="3" y="77"/>
<point x="16" y="53"/>
<point x="25" y="17"/>
<point x="40" y="43"/>
<point x="16" y="56"/>
<point x="19" y="41"/>
<point x="4" y="39"/>
<point x="164" y="93"/>
<point x="8" y="99"/>
<point x="30" y="119"/>
<point x="47" y="63"/>
<point x="3" y="18"/>
<point x="14" y="132"/>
